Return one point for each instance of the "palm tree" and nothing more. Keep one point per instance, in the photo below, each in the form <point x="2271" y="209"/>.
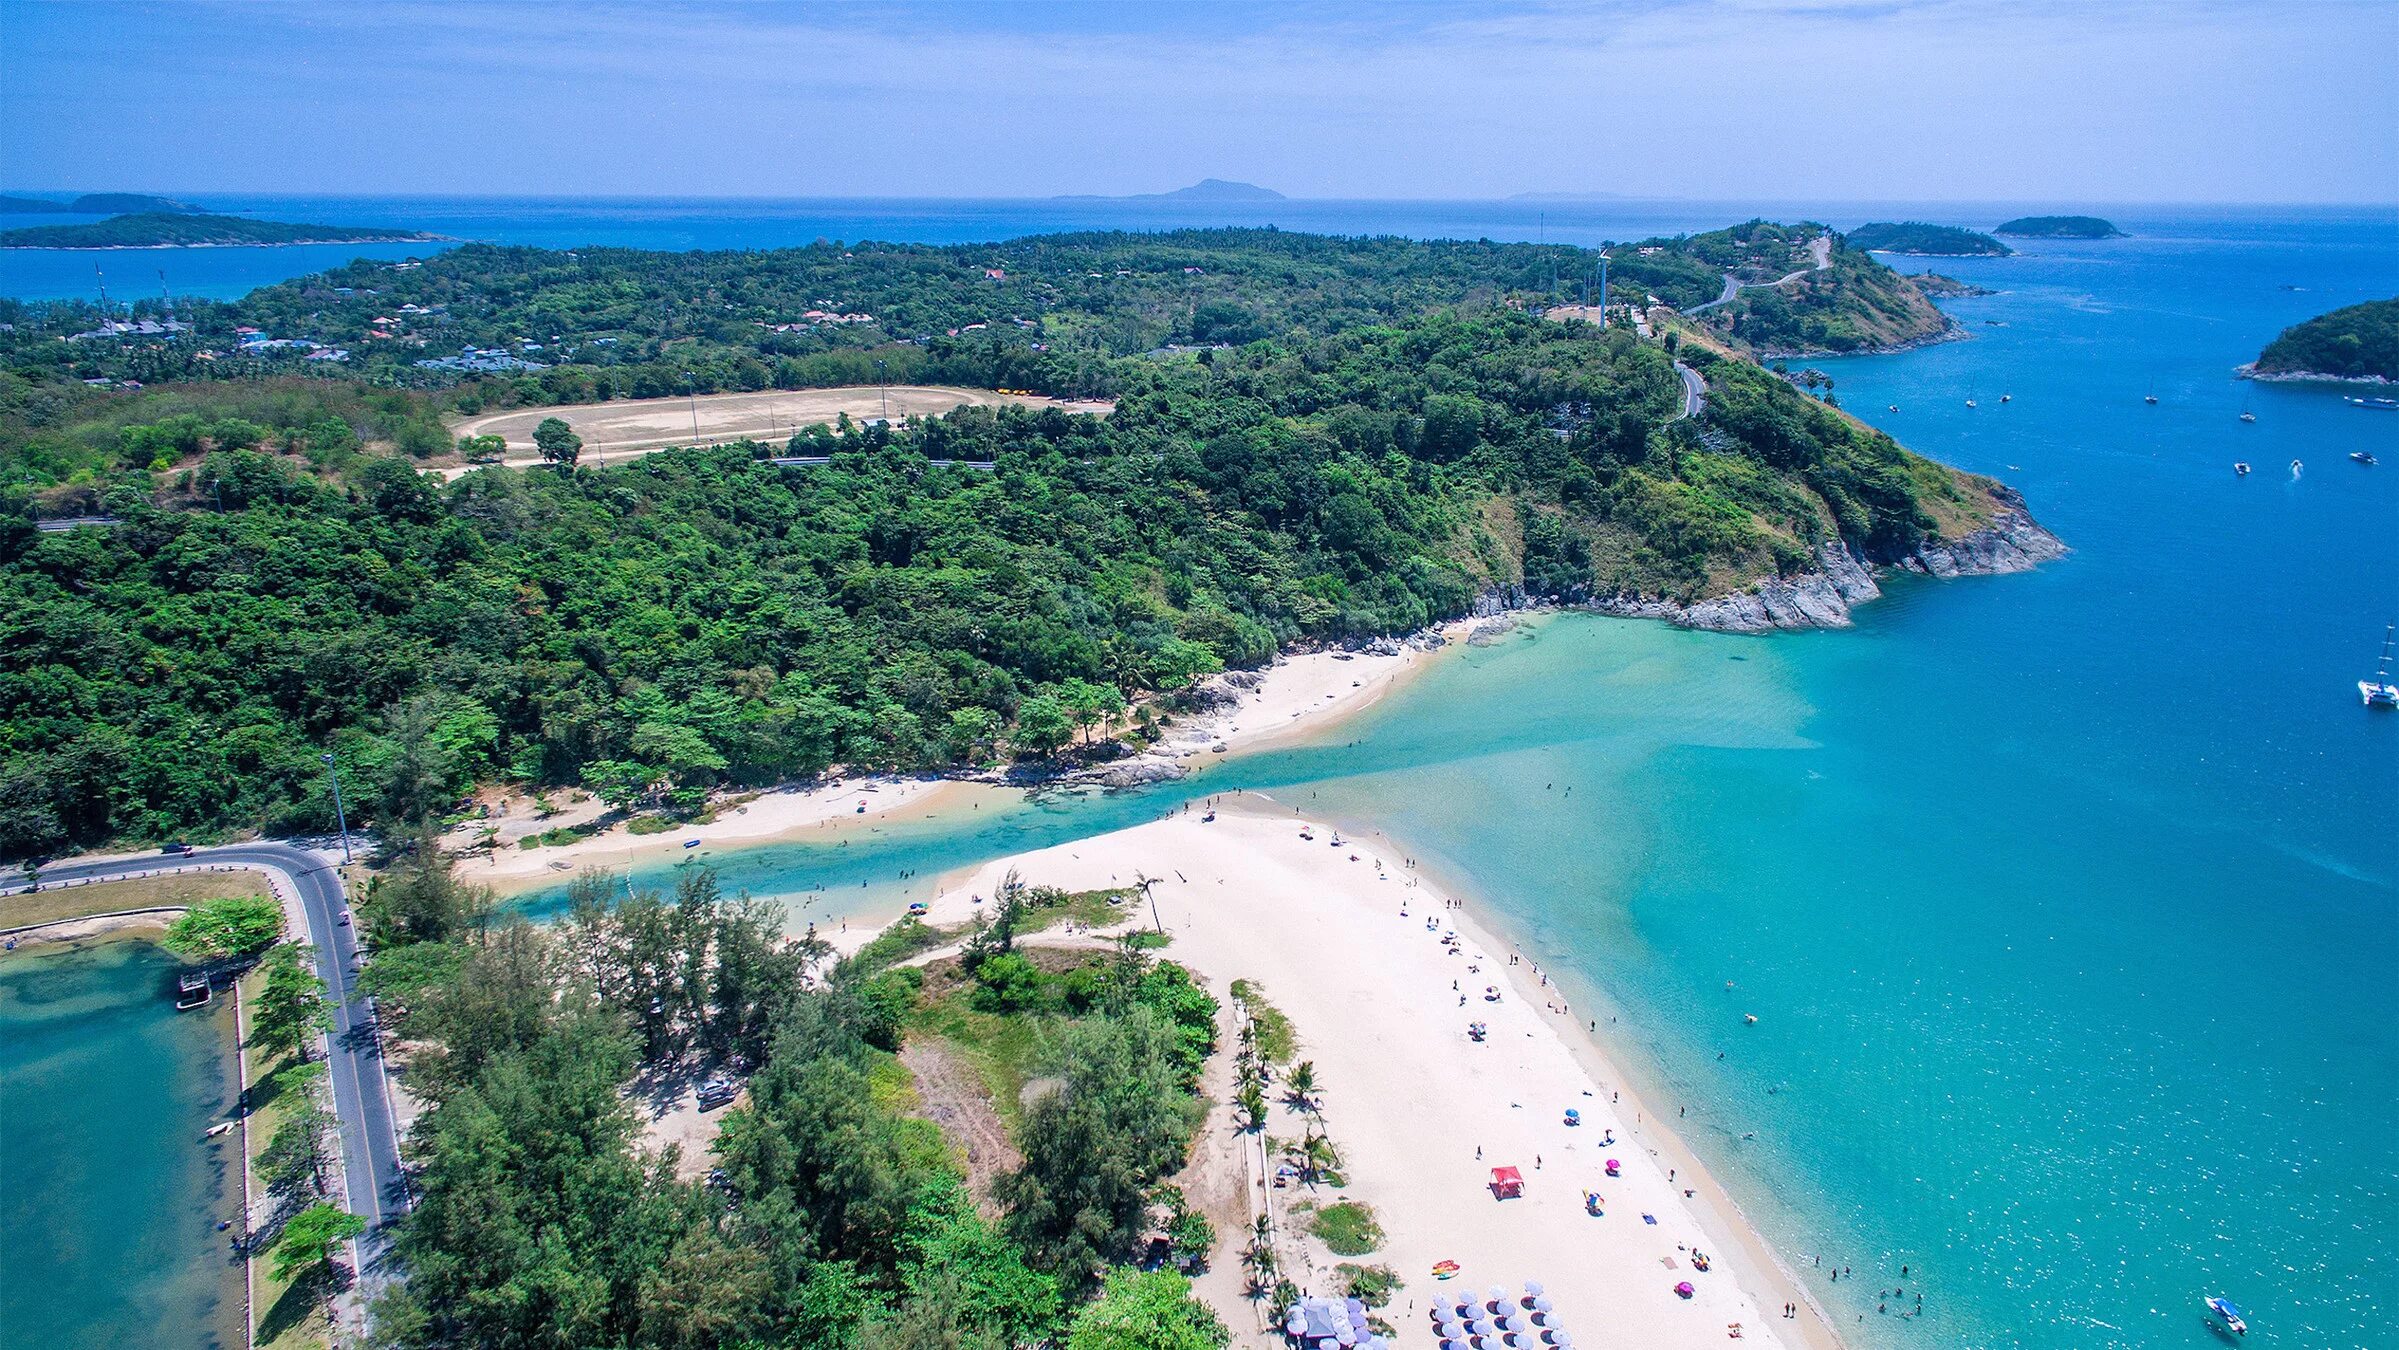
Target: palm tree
<point x="1258" y="1258"/>
<point x="1299" y="1086"/>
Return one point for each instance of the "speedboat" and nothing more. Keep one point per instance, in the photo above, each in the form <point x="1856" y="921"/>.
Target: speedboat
<point x="2365" y="457"/>
<point x="2240" y="468"/>
<point x="2377" y="404"/>
<point x="2248" y="417"/>
<point x="2297" y="468"/>
<point x="1969" y="403"/>
<point x="2006" y="398"/>
<point x="2228" y="1315"/>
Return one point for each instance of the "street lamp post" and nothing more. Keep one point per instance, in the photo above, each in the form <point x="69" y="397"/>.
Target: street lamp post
<point x="691" y="395"/>
<point x="884" y="384"/>
<point x="340" y="816"/>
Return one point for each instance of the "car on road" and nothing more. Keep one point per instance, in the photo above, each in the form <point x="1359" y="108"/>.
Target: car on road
<point x="176" y="848"/>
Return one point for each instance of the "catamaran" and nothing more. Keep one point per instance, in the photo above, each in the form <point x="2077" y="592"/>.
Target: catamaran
<point x="2229" y="1315"/>
<point x="2379" y="692"/>
<point x="2365" y="457"/>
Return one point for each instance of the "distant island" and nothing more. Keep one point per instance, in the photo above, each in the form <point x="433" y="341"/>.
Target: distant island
<point x="1205" y="190"/>
<point x="1938" y="241"/>
<point x="2359" y="342"/>
<point x="1568" y="197"/>
<point x="2060" y="227"/>
<point x="96" y="204"/>
<point x="166" y="229"/>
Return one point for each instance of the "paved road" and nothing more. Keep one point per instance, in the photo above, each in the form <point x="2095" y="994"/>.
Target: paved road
<point x="378" y="1190"/>
<point x="1695" y="393"/>
<point x="1820" y="248"/>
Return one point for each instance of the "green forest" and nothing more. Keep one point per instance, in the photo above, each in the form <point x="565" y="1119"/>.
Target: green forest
<point x="284" y="583"/>
<point x="2356" y="342"/>
<point x="1915" y="236"/>
<point x="176" y="229"/>
<point x="2060" y="227"/>
<point x="834" y="1216"/>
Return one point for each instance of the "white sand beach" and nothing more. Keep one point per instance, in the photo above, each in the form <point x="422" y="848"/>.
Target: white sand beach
<point x="1299" y="696"/>
<point x="1348" y="942"/>
<point x="778" y="815"/>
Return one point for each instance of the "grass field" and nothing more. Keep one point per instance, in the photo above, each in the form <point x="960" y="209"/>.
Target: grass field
<point x="55" y="902"/>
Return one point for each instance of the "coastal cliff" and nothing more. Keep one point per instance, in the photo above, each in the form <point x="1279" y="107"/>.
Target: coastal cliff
<point x="2011" y="542"/>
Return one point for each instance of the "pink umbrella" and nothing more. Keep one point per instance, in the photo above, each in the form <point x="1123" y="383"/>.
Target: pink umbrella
<point x="1684" y="1289"/>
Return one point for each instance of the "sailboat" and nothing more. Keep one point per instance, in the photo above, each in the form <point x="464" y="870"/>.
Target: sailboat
<point x="2151" y="396"/>
<point x="2379" y="692"/>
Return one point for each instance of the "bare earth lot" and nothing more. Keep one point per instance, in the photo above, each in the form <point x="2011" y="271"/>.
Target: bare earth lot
<point x="638" y="426"/>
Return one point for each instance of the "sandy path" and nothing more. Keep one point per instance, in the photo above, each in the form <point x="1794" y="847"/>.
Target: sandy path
<point x="1352" y="951"/>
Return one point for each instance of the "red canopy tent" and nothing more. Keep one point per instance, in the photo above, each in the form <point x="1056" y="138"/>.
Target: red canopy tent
<point x="1506" y="1183"/>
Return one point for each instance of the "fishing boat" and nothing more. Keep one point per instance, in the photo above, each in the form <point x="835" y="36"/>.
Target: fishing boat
<point x="2240" y="468"/>
<point x="2297" y="468"/>
<point x="2248" y="416"/>
<point x="2228" y="1315"/>
<point x="2365" y="457"/>
<point x="2375" y="404"/>
<point x="2379" y="692"/>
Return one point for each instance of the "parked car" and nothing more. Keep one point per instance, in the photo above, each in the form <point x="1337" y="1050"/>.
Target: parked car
<point x="718" y="1092"/>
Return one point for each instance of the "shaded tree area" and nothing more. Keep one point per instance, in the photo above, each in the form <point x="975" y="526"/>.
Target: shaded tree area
<point x="834" y="1221"/>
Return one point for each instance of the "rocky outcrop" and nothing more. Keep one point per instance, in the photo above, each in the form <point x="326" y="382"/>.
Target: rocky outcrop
<point x="2012" y="542"/>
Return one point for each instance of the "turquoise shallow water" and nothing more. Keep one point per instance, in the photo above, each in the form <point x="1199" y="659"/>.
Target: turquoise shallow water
<point x="2068" y="902"/>
<point x="109" y="1200"/>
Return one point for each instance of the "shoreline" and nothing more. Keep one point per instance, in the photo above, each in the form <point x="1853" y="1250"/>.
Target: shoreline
<point x="228" y="243"/>
<point x="1381" y="1019"/>
<point x="1300" y="696"/>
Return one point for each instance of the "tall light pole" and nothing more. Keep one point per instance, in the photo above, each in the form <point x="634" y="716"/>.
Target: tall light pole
<point x="691" y="394"/>
<point x="883" y="383"/>
<point x="339" y="815"/>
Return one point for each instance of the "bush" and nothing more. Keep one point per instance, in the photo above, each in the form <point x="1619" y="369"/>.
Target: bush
<point x="1349" y="1228"/>
<point x="215" y="930"/>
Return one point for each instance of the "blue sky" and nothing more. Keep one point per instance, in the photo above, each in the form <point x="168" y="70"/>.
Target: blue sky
<point x="2175" y="100"/>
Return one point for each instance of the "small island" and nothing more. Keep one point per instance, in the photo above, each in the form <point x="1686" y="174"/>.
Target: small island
<point x="164" y="229"/>
<point x="1923" y="240"/>
<point x="2358" y="343"/>
<point x="1205" y="190"/>
<point x="2060" y="227"/>
<point x="96" y="204"/>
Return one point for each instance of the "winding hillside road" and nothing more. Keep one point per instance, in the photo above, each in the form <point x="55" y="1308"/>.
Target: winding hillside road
<point x="1820" y="247"/>
<point x="370" y="1139"/>
<point x="1695" y="394"/>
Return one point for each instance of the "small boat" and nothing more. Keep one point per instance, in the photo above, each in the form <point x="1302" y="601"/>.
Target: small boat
<point x="2379" y="692"/>
<point x="2376" y="404"/>
<point x="2297" y="468"/>
<point x="2248" y="417"/>
<point x="691" y="843"/>
<point x="2007" y="398"/>
<point x="2240" y="468"/>
<point x="2151" y="396"/>
<point x="2365" y="457"/>
<point x="1895" y="407"/>
<point x="1969" y="403"/>
<point x="2228" y="1315"/>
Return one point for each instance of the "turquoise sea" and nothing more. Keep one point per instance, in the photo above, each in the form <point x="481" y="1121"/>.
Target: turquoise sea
<point x="2068" y="902"/>
<point x="109" y="1198"/>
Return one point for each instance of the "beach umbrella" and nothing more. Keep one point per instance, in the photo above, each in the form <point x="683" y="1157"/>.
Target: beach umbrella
<point x="1498" y="1297"/>
<point x="1533" y="1289"/>
<point x="1540" y="1304"/>
<point x="1683" y="1289"/>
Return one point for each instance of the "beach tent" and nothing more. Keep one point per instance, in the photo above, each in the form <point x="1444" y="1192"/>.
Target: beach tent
<point x="1506" y="1183"/>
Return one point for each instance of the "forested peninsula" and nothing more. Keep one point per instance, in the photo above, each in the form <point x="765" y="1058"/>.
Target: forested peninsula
<point x="1934" y="241"/>
<point x="178" y="229"/>
<point x="2357" y="342"/>
<point x="1311" y="441"/>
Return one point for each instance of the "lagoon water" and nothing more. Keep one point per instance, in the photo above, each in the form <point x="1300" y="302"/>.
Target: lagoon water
<point x="110" y="1200"/>
<point x="2068" y="902"/>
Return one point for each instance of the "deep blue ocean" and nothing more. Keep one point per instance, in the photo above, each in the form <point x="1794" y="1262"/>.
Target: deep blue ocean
<point x="2068" y="902"/>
